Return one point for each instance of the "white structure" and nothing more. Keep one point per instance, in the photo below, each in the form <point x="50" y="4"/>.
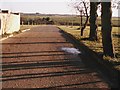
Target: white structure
<point x="9" y="22"/>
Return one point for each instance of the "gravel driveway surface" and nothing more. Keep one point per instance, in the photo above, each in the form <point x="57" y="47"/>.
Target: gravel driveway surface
<point x="34" y="59"/>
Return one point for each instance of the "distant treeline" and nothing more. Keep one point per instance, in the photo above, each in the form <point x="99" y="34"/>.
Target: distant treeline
<point x="35" y="21"/>
<point x="59" y="20"/>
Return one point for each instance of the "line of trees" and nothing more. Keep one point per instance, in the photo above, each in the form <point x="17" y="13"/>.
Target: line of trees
<point x="89" y="9"/>
<point x="35" y="21"/>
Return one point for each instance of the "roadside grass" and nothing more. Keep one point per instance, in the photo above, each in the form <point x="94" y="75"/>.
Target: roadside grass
<point x="23" y="27"/>
<point x="96" y="46"/>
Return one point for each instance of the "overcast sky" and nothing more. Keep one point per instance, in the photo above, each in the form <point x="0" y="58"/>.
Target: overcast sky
<point x="41" y="6"/>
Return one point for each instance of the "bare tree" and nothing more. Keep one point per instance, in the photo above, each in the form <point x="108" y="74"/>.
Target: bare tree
<point x="82" y="7"/>
<point x="87" y="17"/>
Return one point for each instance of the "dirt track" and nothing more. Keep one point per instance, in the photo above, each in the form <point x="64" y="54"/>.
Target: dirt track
<point x="34" y="59"/>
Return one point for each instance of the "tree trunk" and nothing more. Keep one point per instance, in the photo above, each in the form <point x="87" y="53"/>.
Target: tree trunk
<point x="93" y="25"/>
<point x="107" y="29"/>
<point x="84" y="26"/>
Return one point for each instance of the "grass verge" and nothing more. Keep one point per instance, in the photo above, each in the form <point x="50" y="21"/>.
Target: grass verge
<point x="96" y="46"/>
<point x="23" y="27"/>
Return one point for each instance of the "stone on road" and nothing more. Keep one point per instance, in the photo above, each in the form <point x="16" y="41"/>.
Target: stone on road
<point x="34" y="59"/>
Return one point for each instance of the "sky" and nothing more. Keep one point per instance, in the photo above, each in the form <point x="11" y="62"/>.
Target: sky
<point x="41" y="6"/>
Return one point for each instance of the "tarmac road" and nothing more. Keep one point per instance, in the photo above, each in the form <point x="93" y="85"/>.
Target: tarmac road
<point x="34" y="59"/>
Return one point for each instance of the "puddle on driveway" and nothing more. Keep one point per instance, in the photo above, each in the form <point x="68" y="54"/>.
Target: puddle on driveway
<point x="73" y="51"/>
